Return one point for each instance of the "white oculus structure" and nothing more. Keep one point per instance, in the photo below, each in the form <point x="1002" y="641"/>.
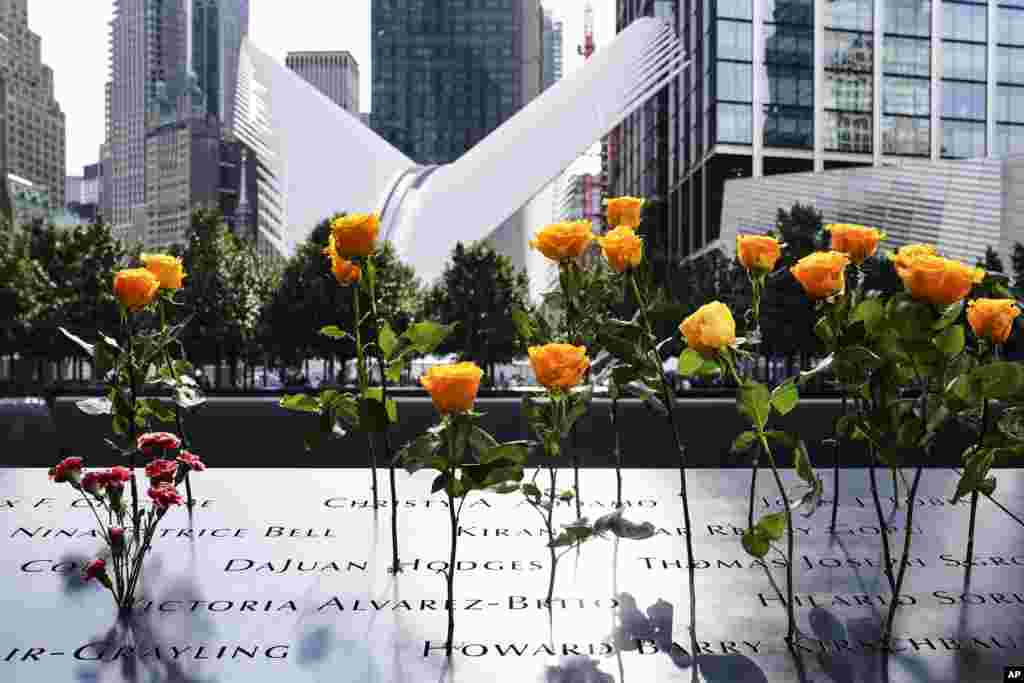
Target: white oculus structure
<point x="316" y="159"/>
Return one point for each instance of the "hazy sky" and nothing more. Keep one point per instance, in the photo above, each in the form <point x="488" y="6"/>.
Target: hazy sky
<point x="76" y="34"/>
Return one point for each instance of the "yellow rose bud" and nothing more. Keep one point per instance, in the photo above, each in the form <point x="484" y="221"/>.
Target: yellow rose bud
<point x="345" y="272"/>
<point x="563" y="241"/>
<point x="992" y="319"/>
<point x="135" y="288"/>
<point x="856" y="241"/>
<point x="355" y="234"/>
<point x="624" y="212"/>
<point x="168" y="269"/>
<point x="906" y="256"/>
<point x="453" y="386"/>
<point x="622" y="248"/>
<point x="559" y="366"/>
<point x="822" y="274"/>
<point x="710" y="329"/>
<point x="940" y="281"/>
<point x="758" y="253"/>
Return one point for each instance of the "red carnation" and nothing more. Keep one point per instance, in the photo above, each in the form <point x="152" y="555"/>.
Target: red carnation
<point x="94" y="482"/>
<point x="116" y="540"/>
<point x="160" y="471"/>
<point x="157" y="440"/>
<point x="97" y="569"/>
<point x="67" y="470"/>
<point x="117" y="476"/>
<point x="191" y="460"/>
<point x="165" y="495"/>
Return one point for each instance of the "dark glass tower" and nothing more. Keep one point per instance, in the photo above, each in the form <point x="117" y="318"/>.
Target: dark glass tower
<point x="448" y="72"/>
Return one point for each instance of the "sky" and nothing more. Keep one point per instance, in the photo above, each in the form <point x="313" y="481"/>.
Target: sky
<point x="75" y="42"/>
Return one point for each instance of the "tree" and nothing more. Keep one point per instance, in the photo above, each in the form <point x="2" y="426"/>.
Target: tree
<point x="309" y="298"/>
<point x="992" y="263"/>
<point x="479" y="290"/>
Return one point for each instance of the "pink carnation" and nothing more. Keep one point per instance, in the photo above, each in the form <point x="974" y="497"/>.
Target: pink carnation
<point x="191" y="460"/>
<point x="162" y="440"/>
<point x="68" y="469"/>
<point x="116" y="477"/>
<point x="116" y="540"/>
<point x="160" y="471"/>
<point x="165" y="495"/>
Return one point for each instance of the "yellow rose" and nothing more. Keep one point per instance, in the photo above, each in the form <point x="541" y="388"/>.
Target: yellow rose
<point x="345" y="272"/>
<point x="559" y="366"/>
<point x="135" y="288"/>
<point x="758" y="253"/>
<point x="992" y="319"/>
<point x="622" y="248"/>
<point x="563" y="241"/>
<point x="906" y="255"/>
<point x="940" y="281"/>
<point x="168" y="269"/>
<point x="856" y="241"/>
<point x="453" y="386"/>
<point x="710" y="329"/>
<point x="822" y="274"/>
<point x="624" y="212"/>
<point x="355" y="234"/>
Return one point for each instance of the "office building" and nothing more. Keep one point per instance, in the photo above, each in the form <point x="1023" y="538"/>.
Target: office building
<point x="170" y="98"/>
<point x="35" y="128"/>
<point x="335" y="74"/>
<point x="552" y="49"/>
<point x="83" y="194"/>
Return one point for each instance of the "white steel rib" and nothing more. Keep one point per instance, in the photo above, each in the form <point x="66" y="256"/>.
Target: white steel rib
<point x="320" y="159"/>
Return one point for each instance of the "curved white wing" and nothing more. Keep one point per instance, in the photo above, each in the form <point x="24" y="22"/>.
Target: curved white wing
<point x="466" y="200"/>
<point x="314" y="157"/>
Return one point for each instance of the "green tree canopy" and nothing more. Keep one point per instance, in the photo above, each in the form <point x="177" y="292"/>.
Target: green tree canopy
<point x="479" y="290"/>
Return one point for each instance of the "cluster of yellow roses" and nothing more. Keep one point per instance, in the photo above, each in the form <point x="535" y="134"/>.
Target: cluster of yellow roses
<point x="558" y="367"/>
<point x="136" y="288"/>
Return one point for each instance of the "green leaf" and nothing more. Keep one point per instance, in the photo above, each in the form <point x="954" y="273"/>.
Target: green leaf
<point x="977" y="463"/>
<point x="579" y="404"/>
<point x="513" y="451"/>
<point x="300" y="403"/>
<point x="872" y="313"/>
<point x="530" y="490"/>
<point x="823" y="330"/>
<point x="621" y="348"/>
<point x="624" y="374"/>
<point x="649" y="396"/>
<point x="481" y="441"/>
<point x="949" y="316"/>
<point x="689" y="362"/>
<point x="89" y="348"/>
<point x="754" y="402"/>
<point x="419" y="453"/>
<point x="394" y="372"/>
<point x="855" y="361"/>
<point x="950" y="341"/>
<point x="743" y="441"/>
<point x="440" y="481"/>
<point x="335" y="332"/>
<point x="756" y="542"/>
<point x="426" y="336"/>
<point x="785" y="397"/>
<point x="823" y="366"/>
<point x="773" y="525"/>
<point x="387" y="340"/>
<point x="1000" y="380"/>
<point x="911" y="319"/>
<point x="802" y="462"/>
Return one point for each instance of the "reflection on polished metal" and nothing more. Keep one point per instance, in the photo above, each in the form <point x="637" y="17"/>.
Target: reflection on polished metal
<point x="281" y="575"/>
<point x="316" y="159"/>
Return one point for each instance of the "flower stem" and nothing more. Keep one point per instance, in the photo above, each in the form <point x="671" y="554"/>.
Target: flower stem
<point x="791" y="632"/>
<point x="572" y="333"/>
<point x="364" y="384"/>
<point x="835" y="470"/>
<point x="906" y="553"/>
<point x="886" y="551"/>
<point x="670" y="408"/>
<point x="453" y="520"/>
<point x="133" y="388"/>
<point x="177" y="409"/>
<point x="553" y="558"/>
<point x="614" y="411"/>
<point x="396" y="566"/>
<point x="974" y="494"/>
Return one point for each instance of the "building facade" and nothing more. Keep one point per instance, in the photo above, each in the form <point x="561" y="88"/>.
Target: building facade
<point x="35" y="134"/>
<point x="552" y="49"/>
<point x="335" y="74"/>
<point x="83" y="194"/>
<point x="171" y="95"/>
<point x="447" y="74"/>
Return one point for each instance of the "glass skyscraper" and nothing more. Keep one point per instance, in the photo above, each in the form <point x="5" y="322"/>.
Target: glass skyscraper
<point x="779" y="86"/>
<point x="445" y="74"/>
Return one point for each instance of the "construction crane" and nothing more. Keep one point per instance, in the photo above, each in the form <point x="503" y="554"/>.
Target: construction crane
<point x="587" y="48"/>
